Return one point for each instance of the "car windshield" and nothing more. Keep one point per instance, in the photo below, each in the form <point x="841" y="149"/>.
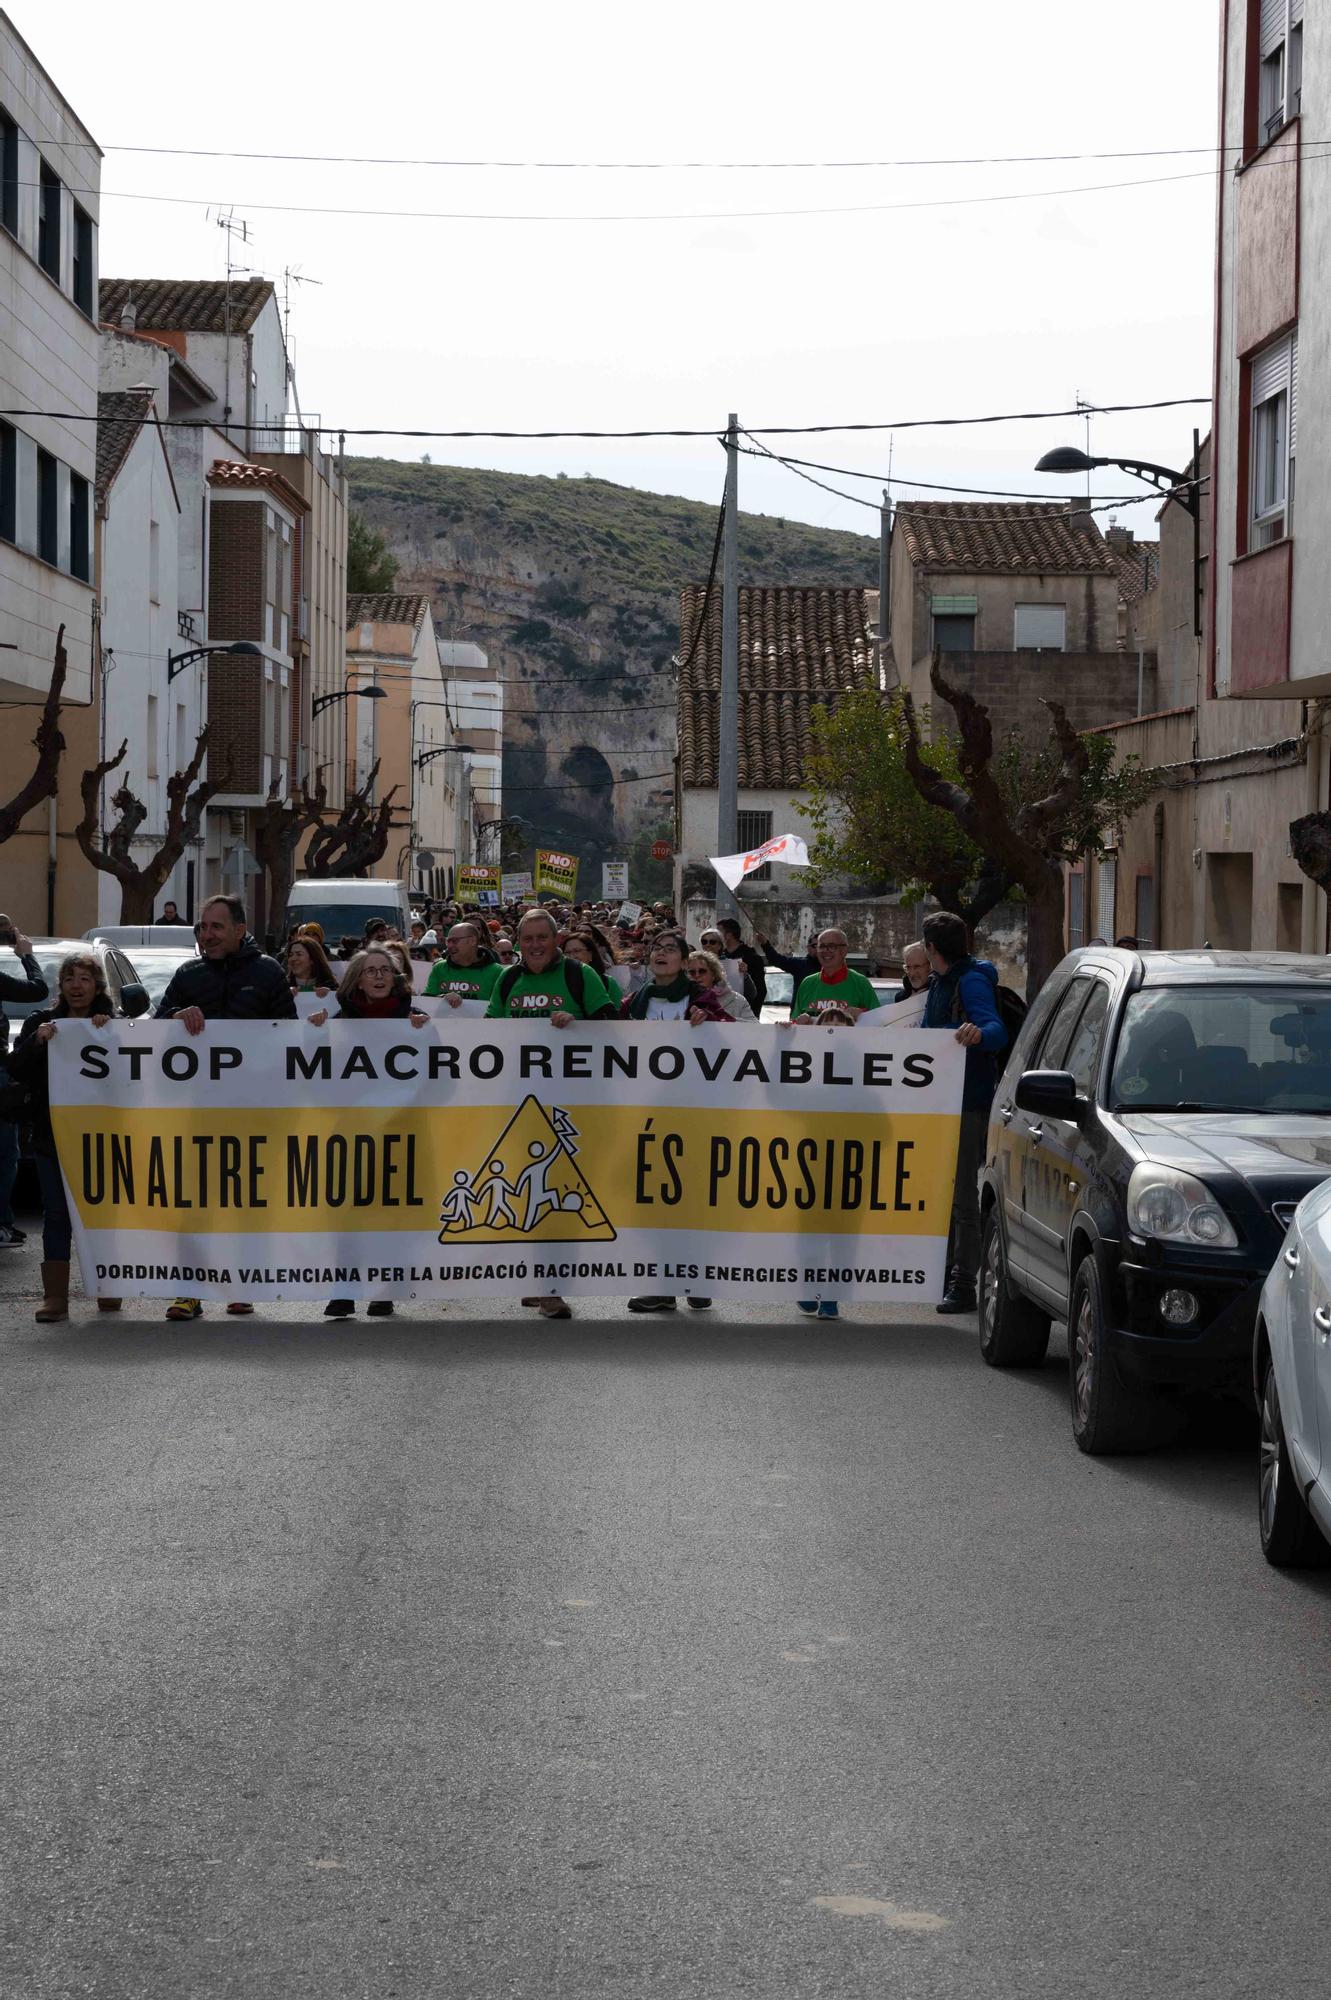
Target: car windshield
<point x="49" y="957"/>
<point x="339" y="920"/>
<point x="1224" y="1048"/>
<point x="154" y="969"/>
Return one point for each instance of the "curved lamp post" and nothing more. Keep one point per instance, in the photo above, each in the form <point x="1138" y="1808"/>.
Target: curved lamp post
<point x="176" y="663"/>
<point x="1174" y="485"/>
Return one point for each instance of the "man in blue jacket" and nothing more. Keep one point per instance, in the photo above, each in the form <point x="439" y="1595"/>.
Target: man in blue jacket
<point x="962" y="998"/>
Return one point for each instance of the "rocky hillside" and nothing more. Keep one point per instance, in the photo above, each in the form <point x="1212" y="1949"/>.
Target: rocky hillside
<point x="571" y="586"/>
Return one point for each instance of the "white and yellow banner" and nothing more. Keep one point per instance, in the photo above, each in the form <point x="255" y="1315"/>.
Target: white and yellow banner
<point x="465" y="1157"/>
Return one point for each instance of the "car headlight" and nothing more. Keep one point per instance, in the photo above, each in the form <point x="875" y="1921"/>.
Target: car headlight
<point x="1174" y="1207"/>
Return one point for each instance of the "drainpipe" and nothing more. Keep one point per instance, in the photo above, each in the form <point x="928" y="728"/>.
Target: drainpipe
<point x="51" y="804"/>
<point x="1141" y="679"/>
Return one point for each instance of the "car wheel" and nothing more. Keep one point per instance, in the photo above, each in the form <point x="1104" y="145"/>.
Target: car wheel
<point x="1013" y="1332"/>
<point x="1291" y="1538"/>
<point x="1107" y="1415"/>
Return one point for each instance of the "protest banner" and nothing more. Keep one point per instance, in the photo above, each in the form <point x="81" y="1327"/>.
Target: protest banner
<point x="785" y="847"/>
<point x="614" y="880"/>
<point x="516" y="887"/>
<point x="628" y="913"/>
<point x="556" y="872"/>
<point x="376" y="1160"/>
<point x="478" y="885"/>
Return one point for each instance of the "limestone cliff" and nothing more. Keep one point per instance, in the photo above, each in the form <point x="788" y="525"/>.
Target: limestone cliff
<point x="571" y="586"/>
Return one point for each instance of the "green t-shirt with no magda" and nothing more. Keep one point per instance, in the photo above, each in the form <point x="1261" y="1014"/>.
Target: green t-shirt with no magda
<point x="471" y="982"/>
<point x="815" y="993"/>
<point x="535" y="996"/>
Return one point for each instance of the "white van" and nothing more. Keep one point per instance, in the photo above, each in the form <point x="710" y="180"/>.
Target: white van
<point x="144" y="934"/>
<point x="343" y="905"/>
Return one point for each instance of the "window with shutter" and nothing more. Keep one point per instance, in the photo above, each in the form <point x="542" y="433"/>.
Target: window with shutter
<point x="1280" y="65"/>
<point x="1274" y="419"/>
<point x="1042" y="627"/>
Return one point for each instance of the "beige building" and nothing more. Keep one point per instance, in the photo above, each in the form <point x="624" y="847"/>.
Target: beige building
<point x="48" y="361"/>
<point x="409" y="732"/>
<point x="1023" y="598"/>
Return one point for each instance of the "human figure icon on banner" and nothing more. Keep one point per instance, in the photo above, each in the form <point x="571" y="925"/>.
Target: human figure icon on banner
<point x="549" y="1198"/>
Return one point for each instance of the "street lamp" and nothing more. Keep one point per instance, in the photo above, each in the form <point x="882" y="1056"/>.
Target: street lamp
<point x="323" y="701"/>
<point x="1179" y="486"/>
<point x="176" y="663"/>
<point x="447" y="750"/>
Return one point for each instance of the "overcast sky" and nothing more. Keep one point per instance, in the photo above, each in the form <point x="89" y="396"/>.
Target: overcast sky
<point x="879" y="315"/>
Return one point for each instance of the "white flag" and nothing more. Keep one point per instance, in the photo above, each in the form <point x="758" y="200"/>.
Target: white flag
<point x="786" y="847"/>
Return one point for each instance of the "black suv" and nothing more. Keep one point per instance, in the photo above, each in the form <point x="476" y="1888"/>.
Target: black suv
<point x="1159" y="1117"/>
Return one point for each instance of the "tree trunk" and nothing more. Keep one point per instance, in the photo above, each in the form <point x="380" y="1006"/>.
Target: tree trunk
<point x="1045" y="934"/>
<point x="137" y="899"/>
<point x="49" y="745"/>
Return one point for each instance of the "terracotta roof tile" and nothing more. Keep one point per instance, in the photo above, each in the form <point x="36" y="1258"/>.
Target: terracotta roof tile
<point x="1138" y="570"/>
<point x="240" y="473"/>
<point x="386" y="607"/>
<point x="798" y="649"/>
<point x="120" y="416"/>
<point x="1016" y="537"/>
<point x="185" y="305"/>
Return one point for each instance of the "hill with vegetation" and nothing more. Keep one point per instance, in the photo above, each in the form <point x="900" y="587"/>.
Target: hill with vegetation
<point x="571" y="586"/>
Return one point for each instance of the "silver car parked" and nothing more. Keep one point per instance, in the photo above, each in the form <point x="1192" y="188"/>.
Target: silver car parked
<point x="1292" y="1382"/>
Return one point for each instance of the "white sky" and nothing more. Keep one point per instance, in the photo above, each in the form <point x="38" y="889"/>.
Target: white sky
<point x="517" y="325"/>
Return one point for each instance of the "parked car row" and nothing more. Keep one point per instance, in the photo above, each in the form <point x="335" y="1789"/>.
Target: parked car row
<point x="1156" y="1176"/>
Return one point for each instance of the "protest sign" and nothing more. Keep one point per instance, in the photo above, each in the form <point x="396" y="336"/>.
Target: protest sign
<point x="516" y="887"/>
<point x="276" y="1160"/>
<point x="478" y="885"/>
<point x="614" y="879"/>
<point x="556" y="872"/>
<point x="785" y="847"/>
<point x="629" y="913"/>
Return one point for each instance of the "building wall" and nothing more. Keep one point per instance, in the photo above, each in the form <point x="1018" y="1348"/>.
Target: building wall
<point x="320" y="741"/>
<point x="249" y="699"/>
<point x="157" y="721"/>
<point x="1094" y="688"/>
<point x="48" y="361"/>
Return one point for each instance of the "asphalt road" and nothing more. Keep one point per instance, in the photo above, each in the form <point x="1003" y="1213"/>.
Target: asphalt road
<point x="469" y="1655"/>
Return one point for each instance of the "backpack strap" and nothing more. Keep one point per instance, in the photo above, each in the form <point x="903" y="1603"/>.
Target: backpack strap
<point x="508" y="979"/>
<point x="573" y="971"/>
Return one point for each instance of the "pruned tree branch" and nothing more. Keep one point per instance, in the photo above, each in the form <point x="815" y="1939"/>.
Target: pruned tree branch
<point x="49" y="744"/>
<point x="187" y="798"/>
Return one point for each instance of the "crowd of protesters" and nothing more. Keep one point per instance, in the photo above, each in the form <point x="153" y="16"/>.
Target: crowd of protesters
<point x="561" y="963"/>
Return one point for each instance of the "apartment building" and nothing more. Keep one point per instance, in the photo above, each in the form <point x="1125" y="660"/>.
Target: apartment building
<point x="50" y="173"/>
<point x="408" y="731"/>
<point x="475" y="694"/>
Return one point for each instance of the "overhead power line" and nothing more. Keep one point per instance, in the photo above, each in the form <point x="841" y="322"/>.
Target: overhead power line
<point x="756" y="431"/>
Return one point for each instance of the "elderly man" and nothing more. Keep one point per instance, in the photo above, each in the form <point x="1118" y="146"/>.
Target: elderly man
<point x="546" y="986"/>
<point x="834" y="984"/>
<point x="466" y="972"/>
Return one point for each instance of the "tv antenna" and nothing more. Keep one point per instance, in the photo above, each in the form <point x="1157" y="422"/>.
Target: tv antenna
<point x="233" y="227"/>
<point x="292" y="275"/>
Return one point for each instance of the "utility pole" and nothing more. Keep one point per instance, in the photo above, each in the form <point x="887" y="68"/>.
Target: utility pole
<point x="884" y="586"/>
<point x="727" y="742"/>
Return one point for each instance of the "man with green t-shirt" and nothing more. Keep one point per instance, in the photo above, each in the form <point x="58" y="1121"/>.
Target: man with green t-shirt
<point x="548" y="986"/>
<point x="834" y="984"/>
<point x="463" y="973"/>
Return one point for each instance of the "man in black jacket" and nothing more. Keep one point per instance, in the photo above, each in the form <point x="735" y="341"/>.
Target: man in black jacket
<point x="232" y="981"/>
<point x="31" y="987"/>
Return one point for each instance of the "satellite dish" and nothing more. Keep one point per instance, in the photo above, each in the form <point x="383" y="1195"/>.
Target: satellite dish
<point x="425" y="861"/>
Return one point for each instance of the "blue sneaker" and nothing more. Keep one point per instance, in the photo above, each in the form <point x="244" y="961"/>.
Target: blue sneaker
<point x="829" y="1310"/>
<point x="809" y="1306"/>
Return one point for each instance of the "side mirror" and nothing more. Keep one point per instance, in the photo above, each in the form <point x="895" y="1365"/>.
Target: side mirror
<point x="134" y="1000"/>
<point x="1050" y="1093"/>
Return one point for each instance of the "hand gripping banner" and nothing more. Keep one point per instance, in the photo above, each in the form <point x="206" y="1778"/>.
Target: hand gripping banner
<point x="477" y="1158"/>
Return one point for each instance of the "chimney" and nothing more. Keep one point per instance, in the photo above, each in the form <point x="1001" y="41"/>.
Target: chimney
<point x="1079" y="513"/>
<point x="1119" y="539"/>
<point x="129" y="314"/>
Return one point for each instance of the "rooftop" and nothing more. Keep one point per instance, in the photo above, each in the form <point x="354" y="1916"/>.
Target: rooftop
<point x="798" y="649"/>
<point x="240" y="474"/>
<point x="185" y="305"/>
<point x="386" y="607"/>
<point x="996" y="537"/>
<point x="120" y="416"/>
<point x="1138" y="569"/>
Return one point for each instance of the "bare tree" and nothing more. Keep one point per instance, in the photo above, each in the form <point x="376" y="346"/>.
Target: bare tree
<point x="187" y="797"/>
<point x="1310" y="844"/>
<point x="1028" y="844"/>
<point x="357" y="838"/>
<point x="49" y="744"/>
<point x="278" y="829"/>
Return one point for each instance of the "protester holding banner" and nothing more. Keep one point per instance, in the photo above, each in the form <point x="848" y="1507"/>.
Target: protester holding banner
<point x="962" y="998"/>
<point x="467" y="970"/>
<point x="754" y="990"/>
<point x="32" y="986"/>
<point x="308" y="970"/>
<point x="582" y="946"/>
<point x="799" y="964"/>
<point x="231" y="980"/>
<point x="733" y="946"/>
<point x="833" y="985"/>
<point x="916" y="970"/>
<point x="82" y="997"/>
<point x="706" y="972"/>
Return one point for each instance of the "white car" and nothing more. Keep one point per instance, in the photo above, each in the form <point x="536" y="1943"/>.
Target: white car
<point x="1292" y="1380"/>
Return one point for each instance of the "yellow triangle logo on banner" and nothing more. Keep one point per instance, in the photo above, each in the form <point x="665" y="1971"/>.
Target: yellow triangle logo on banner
<point x="529" y="1188"/>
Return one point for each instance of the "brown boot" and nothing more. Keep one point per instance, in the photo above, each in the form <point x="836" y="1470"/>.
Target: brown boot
<point x="55" y="1286"/>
